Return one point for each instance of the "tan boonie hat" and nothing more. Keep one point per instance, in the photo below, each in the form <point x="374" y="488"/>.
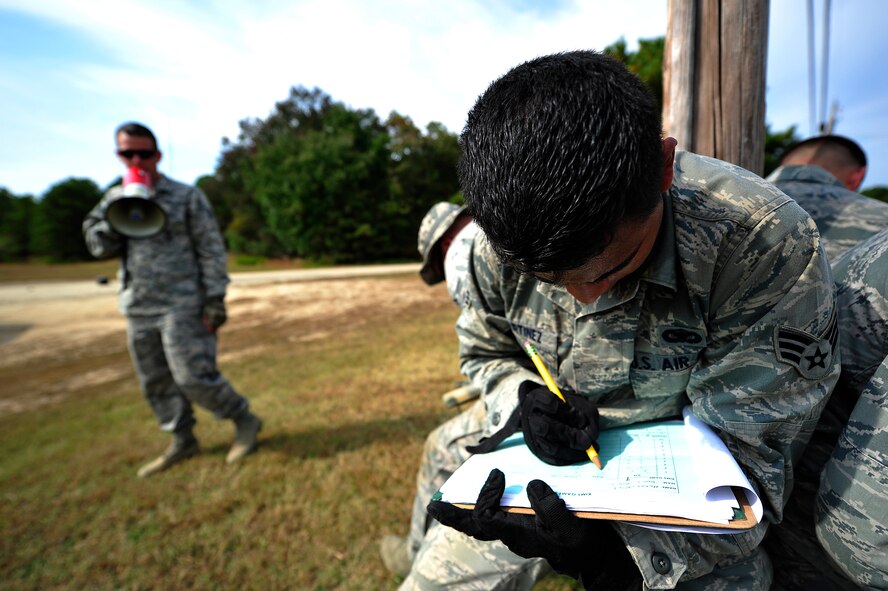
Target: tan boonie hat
<point x="435" y="223"/>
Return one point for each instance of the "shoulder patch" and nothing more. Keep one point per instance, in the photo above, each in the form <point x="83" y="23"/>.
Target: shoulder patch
<point x="810" y="354"/>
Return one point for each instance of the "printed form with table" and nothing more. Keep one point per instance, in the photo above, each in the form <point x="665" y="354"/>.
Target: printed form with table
<point x="672" y="475"/>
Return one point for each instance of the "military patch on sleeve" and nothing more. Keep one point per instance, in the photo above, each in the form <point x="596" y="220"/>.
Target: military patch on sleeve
<point x="811" y="355"/>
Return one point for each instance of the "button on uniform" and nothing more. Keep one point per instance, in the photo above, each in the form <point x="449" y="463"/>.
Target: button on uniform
<point x="661" y="563"/>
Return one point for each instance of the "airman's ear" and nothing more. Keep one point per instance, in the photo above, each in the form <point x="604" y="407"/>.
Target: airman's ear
<point x="855" y="178"/>
<point x="669" y="144"/>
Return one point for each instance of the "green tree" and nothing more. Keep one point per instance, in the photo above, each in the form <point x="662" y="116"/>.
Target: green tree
<point x="321" y="180"/>
<point x="423" y="172"/>
<point x="776" y="145"/>
<point x="238" y="213"/>
<point x="230" y="189"/>
<point x="646" y="63"/>
<point x="15" y="223"/>
<point x="58" y="216"/>
<point x="323" y="190"/>
<point x="879" y="192"/>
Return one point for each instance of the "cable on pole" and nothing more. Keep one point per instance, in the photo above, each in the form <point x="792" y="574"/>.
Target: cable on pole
<point x="812" y="84"/>
<point x="824" y="64"/>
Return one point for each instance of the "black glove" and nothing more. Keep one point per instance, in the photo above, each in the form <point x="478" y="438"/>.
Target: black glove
<point x="557" y="433"/>
<point x="585" y="549"/>
<point x="214" y="314"/>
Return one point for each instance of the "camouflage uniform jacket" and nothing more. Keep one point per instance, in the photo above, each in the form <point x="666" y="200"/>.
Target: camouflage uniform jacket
<point x="843" y="217"/>
<point x="177" y="268"/>
<point x="733" y="313"/>
<point x="456" y="264"/>
<point x="852" y="504"/>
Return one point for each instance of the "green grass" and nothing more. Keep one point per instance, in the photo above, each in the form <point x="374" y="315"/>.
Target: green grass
<point x="43" y="271"/>
<point x="345" y="419"/>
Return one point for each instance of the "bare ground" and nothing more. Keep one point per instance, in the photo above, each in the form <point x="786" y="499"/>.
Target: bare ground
<point x="57" y="338"/>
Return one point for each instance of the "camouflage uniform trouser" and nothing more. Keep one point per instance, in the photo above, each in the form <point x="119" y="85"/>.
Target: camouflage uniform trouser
<point x="800" y="564"/>
<point x="449" y="557"/>
<point x="175" y="359"/>
<point x="442" y="557"/>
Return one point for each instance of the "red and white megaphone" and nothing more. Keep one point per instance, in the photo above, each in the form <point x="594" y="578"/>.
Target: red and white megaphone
<point x="134" y="214"/>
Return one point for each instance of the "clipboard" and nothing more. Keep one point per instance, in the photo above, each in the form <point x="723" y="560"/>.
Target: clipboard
<point x="672" y="475"/>
<point x="744" y="517"/>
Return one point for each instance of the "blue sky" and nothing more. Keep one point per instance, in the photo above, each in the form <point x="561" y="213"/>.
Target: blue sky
<point x="191" y="70"/>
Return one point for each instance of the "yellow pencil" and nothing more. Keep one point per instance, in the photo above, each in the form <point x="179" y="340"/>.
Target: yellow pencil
<point x="550" y="383"/>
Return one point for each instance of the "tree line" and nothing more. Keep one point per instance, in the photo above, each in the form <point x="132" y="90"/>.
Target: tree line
<point x="316" y="179"/>
<point x="319" y="180"/>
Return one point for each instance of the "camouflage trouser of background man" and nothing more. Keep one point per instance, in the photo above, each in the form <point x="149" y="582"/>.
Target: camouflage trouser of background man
<point x="175" y="360"/>
<point x="800" y="563"/>
<point x="468" y="563"/>
<point x="851" y="511"/>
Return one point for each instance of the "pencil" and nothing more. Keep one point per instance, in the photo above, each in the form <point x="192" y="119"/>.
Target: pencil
<point x="553" y="387"/>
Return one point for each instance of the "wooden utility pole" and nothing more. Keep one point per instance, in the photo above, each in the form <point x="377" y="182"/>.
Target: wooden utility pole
<point x="714" y="78"/>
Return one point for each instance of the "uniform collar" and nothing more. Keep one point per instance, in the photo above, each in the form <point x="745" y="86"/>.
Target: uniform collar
<point x="805" y="173"/>
<point x="163" y="185"/>
<point x="660" y="266"/>
<point x="659" y="269"/>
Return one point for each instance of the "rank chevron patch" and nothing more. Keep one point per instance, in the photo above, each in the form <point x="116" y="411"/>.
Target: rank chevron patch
<point x="811" y="355"/>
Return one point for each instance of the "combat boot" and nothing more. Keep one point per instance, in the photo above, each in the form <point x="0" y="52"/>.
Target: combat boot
<point x="184" y="446"/>
<point x="247" y="427"/>
<point x="395" y="555"/>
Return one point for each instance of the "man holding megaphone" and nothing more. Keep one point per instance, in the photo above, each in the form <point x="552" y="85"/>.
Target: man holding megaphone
<point x="134" y="213"/>
<point x="172" y="288"/>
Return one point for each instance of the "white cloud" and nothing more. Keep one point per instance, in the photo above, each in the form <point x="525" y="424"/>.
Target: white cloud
<point x="192" y="70"/>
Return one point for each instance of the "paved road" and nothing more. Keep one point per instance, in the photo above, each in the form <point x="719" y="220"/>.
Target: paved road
<point x="16" y="293"/>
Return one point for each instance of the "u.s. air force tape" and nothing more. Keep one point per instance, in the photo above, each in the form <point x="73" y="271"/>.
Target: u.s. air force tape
<point x="811" y="355"/>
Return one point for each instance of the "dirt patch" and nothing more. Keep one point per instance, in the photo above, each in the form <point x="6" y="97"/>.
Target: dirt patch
<point x="53" y="345"/>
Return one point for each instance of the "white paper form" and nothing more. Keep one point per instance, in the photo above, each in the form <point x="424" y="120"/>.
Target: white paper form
<point x="674" y="468"/>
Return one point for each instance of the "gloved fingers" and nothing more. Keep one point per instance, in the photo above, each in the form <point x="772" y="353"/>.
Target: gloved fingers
<point x="212" y="323"/>
<point x="554" y="520"/>
<point x="556" y="411"/>
<point x="579" y="439"/>
<point x="559" y="434"/>
<point x="552" y="452"/>
<point x="582" y="404"/>
<point x="490" y="516"/>
<point x="214" y="314"/>
<point x="452" y="516"/>
<point x="527" y="386"/>
<point x="491" y="494"/>
<point x="541" y="400"/>
<point x="481" y="521"/>
<point x="575" y="410"/>
<point x="581" y="417"/>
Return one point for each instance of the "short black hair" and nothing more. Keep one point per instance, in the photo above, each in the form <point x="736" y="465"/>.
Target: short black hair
<point x="135" y="129"/>
<point x="852" y="152"/>
<point x="556" y="154"/>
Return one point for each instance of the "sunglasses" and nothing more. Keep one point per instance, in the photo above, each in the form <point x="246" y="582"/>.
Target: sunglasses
<point x="143" y="154"/>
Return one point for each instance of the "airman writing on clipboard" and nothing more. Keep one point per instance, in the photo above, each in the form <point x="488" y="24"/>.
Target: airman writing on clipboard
<point x="652" y="279"/>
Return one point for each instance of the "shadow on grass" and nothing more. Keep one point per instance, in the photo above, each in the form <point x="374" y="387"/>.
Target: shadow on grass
<point x="324" y="442"/>
<point x="9" y="332"/>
